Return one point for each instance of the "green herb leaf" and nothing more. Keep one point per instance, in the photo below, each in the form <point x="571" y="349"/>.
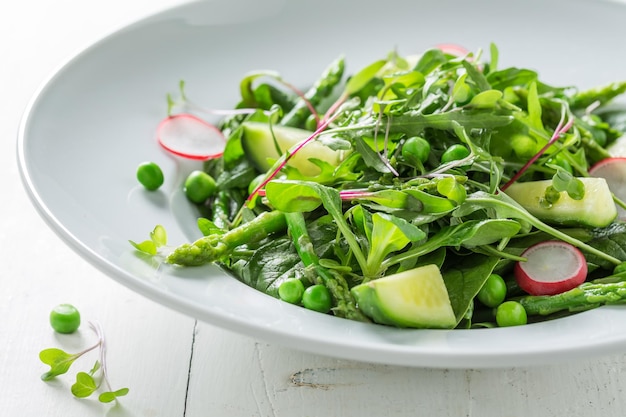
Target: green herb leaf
<point x="59" y="361"/>
<point x="84" y="385"/>
<point x="246" y="89"/>
<point x="107" y="397"/>
<point x="147" y="246"/>
<point x="389" y="234"/>
<point x="290" y="196"/>
<point x="534" y="108"/>
<point x="465" y="279"/>
<point x="207" y="227"/>
<point x="361" y="78"/>
<point x="159" y="236"/>
<point x="371" y="157"/>
<point x="96" y="368"/>
<point x="487" y="99"/>
<point x="450" y="188"/>
<point x="494" y="53"/>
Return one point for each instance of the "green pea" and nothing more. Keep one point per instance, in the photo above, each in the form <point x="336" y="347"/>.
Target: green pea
<point x="416" y="148"/>
<point x="317" y="298"/>
<point x="310" y="123"/>
<point x="524" y="146"/>
<point x="511" y="313"/>
<point x="149" y="175"/>
<point x="455" y="153"/>
<point x="65" y="318"/>
<point x="493" y="292"/>
<point x="291" y="291"/>
<point x="199" y="186"/>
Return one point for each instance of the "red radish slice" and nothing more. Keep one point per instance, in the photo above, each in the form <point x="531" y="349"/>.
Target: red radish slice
<point x="453" y="49"/>
<point x="613" y="170"/>
<point x="190" y="137"/>
<point x="552" y="267"/>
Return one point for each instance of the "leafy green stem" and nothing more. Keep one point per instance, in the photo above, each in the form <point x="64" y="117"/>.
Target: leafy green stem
<point x="507" y="207"/>
<point x="344" y="303"/>
<point x="560" y="129"/>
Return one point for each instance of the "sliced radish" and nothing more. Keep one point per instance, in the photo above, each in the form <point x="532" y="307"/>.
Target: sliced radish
<point x="190" y="137"/>
<point x="551" y="267"/>
<point x="613" y="170"/>
<point x="453" y="49"/>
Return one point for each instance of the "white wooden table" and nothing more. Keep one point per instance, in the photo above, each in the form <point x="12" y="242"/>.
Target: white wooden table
<point x="173" y="365"/>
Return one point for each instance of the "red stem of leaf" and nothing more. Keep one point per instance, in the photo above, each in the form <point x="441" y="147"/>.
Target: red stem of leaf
<point x="332" y="110"/>
<point x="560" y="129"/>
<point x="306" y="102"/>
<point x="301" y="145"/>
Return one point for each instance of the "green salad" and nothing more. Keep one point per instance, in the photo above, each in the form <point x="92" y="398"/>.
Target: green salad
<point x="428" y="191"/>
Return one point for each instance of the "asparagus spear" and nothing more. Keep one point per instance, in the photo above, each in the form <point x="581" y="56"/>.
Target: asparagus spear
<point x="318" y="92"/>
<point x="584" y="297"/>
<point x="214" y="247"/>
<point x="344" y="304"/>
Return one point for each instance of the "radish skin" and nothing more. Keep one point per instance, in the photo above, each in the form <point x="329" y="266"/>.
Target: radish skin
<point x="188" y="136"/>
<point x="551" y="267"/>
<point x="613" y="170"/>
<point x="453" y="49"/>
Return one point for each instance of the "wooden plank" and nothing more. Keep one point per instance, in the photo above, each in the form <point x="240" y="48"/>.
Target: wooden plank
<point x="237" y="376"/>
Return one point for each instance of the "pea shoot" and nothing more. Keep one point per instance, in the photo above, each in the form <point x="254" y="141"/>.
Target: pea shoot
<point x="62" y="319"/>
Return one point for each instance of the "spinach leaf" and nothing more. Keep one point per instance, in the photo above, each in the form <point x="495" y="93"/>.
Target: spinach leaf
<point x="464" y="277"/>
<point x="612" y="241"/>
<point x="271" y="264"/>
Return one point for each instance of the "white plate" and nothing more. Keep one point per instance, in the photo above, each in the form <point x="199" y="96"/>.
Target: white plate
<point x="93" y="122"/>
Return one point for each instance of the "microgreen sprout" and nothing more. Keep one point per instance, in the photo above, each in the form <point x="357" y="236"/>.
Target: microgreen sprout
<point x="87" y="383"/>
<point x="158" y="239"/>
<point x="189" y="104"/>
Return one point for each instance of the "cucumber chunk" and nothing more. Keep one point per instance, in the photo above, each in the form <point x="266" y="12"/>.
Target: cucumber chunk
<point x="261" y="148"/>
<point x="595" y="209"/>
<point x="414" y="298"/>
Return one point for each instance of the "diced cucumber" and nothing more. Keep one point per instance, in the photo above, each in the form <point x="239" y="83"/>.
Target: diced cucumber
<point x="260" y="145"/>
<point x="595" y="209"/>
<point x="414" y="298"/>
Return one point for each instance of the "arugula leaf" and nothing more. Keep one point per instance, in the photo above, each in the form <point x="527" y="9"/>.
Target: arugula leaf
<point x="361" y="78"/>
